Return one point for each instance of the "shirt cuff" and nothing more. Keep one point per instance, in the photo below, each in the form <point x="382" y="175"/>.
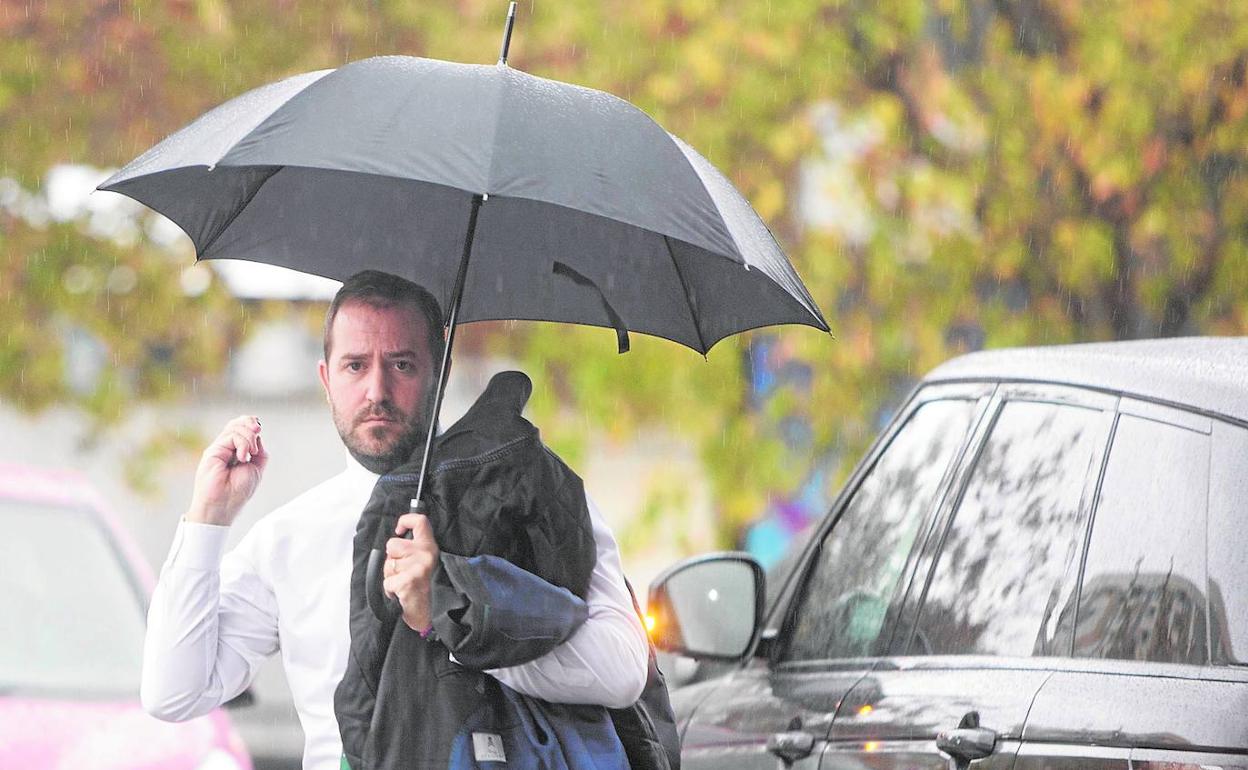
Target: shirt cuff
<point x="198" y="546"/>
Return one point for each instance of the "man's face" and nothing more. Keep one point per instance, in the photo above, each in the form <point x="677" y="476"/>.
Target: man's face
<point x="379" y="380"/>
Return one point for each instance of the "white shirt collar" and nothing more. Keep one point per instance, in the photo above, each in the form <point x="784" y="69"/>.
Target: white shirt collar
<point x="358" y="473"/>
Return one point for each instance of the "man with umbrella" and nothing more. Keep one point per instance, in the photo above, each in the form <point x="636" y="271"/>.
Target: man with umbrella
<point x="508" y="197"/>
<point x="284" y="588"/>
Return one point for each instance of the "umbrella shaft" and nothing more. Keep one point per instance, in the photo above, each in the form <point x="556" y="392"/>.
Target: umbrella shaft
<point x="511" y="22"/>
<point x="457" y="296"/>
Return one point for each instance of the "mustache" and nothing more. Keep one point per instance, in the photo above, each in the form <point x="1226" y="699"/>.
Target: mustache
<point x="382" y="411"/>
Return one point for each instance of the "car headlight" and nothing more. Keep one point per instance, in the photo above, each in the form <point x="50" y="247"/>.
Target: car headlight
<point x="218" y="759"/>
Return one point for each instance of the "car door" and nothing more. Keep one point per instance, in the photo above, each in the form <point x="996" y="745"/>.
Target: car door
<point x="855" y="569"/>
<point x="1156" y="676"/>
<point x="969" y="651"/>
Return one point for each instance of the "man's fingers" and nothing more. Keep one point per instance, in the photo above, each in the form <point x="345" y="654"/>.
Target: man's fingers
<point x="239" y="440"/>
<point x="239" y="443"/>
<point x="403" y="559"/>
<point x="416" y="523"/>
<point x="397" y="547"/>
<point x="244" y="444"/>
<point x="220" y="451"/>
<point x="402" y="548"/>
<point x="400" y="585"/>
<point x="220" y="491"/>
<point x="246" y="423"/>
<point x="261" y="456"/>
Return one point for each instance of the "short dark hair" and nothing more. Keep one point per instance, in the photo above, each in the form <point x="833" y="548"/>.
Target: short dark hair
<point x="383" y="290"/>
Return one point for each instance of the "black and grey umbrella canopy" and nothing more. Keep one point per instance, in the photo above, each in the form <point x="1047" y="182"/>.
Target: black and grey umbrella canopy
<point x="376" y="165"/>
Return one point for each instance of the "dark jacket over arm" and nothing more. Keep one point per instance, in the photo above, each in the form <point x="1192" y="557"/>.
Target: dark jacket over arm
<point x="518" y="551"/>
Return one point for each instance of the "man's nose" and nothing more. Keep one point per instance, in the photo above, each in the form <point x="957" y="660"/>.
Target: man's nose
<point x="378" y="385"/>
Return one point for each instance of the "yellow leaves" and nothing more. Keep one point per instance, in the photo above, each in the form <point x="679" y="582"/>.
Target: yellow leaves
<point x="1086" y="253"/>
<point x="697" y="10"/>
<point x="760" y="45"/>
<point x="789" y="141"/>
<point x="858" y="346"/>
<point x="214" y="17"/>
<point x="665" y="87"/>
<point x="1056" y="99"/>
<point x="1192" y="79"/>
<point x="770" y="199"/>
<point x="1007" y="262"/>
<point x="705" y="62"/>
<point x="1105" y="53"/>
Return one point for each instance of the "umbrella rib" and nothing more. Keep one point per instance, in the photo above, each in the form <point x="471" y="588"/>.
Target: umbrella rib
<point x="684" y="285"/>
<point x="230" y="219"/>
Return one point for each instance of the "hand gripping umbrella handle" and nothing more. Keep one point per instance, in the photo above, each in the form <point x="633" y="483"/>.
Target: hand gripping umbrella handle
<point x="385" y="608"/>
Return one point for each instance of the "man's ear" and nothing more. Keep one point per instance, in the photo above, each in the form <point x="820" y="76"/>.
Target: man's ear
<point x="322" y="369"/>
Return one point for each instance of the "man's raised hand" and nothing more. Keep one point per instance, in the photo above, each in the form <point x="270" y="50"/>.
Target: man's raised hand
<point x="229" y="472"/>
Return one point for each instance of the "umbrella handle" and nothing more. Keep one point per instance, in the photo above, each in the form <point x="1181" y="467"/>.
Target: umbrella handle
<point x="385" y="608"/>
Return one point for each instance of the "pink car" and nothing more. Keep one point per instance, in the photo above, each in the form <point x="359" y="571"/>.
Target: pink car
<point x="73" y="596"/>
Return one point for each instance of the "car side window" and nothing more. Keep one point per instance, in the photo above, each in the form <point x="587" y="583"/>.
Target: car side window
<point x="1015" y="536"/>
<point x="842" y="607"/>
<point x="1143" y="591"/>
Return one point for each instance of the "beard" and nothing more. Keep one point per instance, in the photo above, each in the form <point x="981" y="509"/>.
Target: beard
<point x="382" y="448"/>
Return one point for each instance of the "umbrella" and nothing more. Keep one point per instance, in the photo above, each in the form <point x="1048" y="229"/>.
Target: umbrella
<point x="508" y="196"/>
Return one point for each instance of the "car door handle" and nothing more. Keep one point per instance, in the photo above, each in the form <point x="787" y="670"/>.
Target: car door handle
<point x="967" y="743"/>
<point x="968" y="740"/>
<point x="791" y="746"/>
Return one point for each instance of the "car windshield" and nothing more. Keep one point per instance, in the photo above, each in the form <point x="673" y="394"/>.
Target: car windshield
<point x="71" y="618"/>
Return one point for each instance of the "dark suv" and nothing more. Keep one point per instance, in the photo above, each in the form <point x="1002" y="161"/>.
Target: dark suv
<point x="1041" y="564"/>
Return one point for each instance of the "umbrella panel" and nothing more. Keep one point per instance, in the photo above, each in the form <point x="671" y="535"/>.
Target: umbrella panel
<point x="334" y="223"/>
<point x="482" y="129"/>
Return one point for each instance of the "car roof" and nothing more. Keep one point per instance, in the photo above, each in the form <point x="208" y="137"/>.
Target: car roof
<point x="67" y="488"/>
<point x="49" y="486"/>
<point x="1207" y="373"/>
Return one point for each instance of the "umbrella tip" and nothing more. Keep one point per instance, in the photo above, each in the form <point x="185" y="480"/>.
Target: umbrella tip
<point x="511" y="23"/>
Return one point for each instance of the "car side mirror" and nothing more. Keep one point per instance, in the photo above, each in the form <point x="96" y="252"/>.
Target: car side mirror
<point x="707" y="607"/>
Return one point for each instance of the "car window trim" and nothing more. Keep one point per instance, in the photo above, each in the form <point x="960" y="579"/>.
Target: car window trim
<point x="1189" y="409"/>
<point x="980" y="395"/>
<point x="1166" y="415"/>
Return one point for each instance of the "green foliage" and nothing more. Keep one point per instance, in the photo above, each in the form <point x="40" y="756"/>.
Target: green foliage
<point x="1020" y="171"/>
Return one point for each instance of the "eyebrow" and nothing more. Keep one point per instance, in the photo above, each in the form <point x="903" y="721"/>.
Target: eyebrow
<point x="389" y="355"/>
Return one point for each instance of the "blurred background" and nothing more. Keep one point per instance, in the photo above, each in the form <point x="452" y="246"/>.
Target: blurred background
<point x="946" y="176"/>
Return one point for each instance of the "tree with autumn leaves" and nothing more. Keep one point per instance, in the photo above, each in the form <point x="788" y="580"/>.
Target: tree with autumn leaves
<point x="945" y="176"/>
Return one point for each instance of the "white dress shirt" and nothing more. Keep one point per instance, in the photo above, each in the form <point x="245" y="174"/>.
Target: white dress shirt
<point x="286" y="589"/>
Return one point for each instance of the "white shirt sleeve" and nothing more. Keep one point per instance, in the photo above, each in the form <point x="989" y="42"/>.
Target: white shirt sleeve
<point x="211" y="623"/>
<point x="604" y="662"/>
